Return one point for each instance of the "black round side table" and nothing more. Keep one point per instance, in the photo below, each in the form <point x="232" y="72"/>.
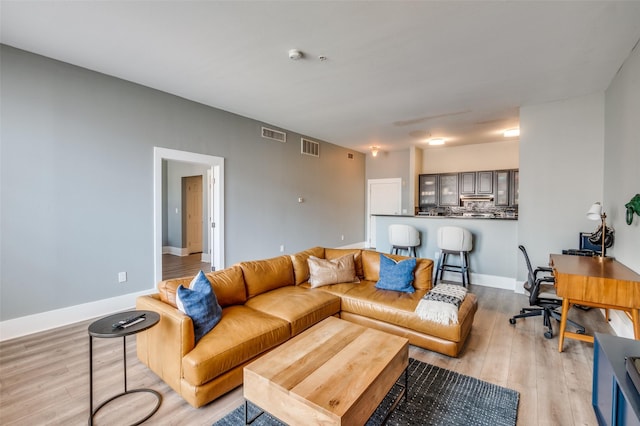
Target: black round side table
<point x="122" y="325"/>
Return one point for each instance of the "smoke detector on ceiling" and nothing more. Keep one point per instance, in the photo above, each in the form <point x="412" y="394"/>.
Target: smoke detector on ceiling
<point x="295" y="54"/>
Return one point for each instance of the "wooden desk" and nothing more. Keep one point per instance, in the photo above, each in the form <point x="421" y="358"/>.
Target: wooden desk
<point x="596" y="282"/>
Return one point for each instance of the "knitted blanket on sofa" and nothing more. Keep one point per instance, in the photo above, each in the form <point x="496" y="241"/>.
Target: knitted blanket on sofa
<point x="441" y="304"/>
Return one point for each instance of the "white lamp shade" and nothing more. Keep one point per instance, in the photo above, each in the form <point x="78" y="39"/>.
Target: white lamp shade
<point x="595" y="212"/>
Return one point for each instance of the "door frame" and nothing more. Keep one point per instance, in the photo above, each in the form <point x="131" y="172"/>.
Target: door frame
<point x="216" y="203"/>
<point x="371" y="220"/>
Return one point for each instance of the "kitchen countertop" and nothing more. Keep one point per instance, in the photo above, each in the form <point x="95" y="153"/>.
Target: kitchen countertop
<point x="426" y="216"/>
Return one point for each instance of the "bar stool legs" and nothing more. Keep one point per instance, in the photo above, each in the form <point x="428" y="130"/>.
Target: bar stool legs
<point x="458" y="242"/>
<point x="463" y="268"/>
<point x="396" y="250"/>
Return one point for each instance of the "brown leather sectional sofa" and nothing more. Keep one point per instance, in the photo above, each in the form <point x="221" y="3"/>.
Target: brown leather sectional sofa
<point x="266" y="302"/>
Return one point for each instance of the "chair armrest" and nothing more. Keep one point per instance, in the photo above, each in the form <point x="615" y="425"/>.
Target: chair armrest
<point x="162" y="347"/>
<point x="541" y="269"/>
<point x="546" y="280"/>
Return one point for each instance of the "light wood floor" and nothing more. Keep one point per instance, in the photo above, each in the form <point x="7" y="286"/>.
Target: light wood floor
<point x="44" y="377"/>
<point x="183" y="266"/>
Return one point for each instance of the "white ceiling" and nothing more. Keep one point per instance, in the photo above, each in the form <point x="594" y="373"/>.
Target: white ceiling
<point x="395" y="72"/>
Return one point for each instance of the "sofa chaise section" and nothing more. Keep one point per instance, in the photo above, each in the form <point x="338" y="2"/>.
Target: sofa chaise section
<point x="392" y="311"/>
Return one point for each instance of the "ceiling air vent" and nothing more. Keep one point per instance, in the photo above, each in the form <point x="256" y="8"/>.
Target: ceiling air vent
<point x="308" y="147"/>
<point x="275" y="135"/>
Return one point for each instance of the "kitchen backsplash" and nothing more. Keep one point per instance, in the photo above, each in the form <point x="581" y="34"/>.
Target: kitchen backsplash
<point x="476" y="206"/>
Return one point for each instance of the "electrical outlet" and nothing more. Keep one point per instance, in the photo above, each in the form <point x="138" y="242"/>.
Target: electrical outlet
<point x="341" y="237"/>
<point x="436" y="255"/>
<point x="122" y="277"/>
<point x="282" y="248"/>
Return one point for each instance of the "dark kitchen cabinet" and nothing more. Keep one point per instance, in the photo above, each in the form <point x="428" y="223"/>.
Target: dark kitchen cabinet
<point x="515" y="183"/>
<point x="467" y="183"/>
<point x="428" y="185"/>
<point x="448" y="190"/>
<point x="484" y="183"/>
<point x="502" y="188"/>
<point x="476" y="183"/>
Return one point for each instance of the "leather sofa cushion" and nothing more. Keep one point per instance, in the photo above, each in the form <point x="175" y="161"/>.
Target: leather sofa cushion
<point x="263" y="275"/>
<point x="300" y="265"/>
<point x="228" y="285"/>
<point x="301" y="307"/>
<point x="331" y="253"/>
<point x="422" y="273"/>
<point x="398" y="308"/>
<point x="242" y="334"/>
<point x="337" y="289"/>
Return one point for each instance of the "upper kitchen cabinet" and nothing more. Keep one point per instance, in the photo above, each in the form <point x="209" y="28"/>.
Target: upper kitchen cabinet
<point x="515" y="183"/>
<point x="428" y="185"/>
<point x="448" y="190"/>
<point x="476" y="183"/>
<point x="467" y="183"/>
<point x="502" y="188"/>
<point x="484" y="183"/>
<point x="507" y="183"/>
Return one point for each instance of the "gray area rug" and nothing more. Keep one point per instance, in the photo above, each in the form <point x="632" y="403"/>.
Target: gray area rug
<point x="436" y="397"/>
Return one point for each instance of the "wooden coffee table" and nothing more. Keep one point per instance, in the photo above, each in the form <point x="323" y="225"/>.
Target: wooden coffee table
<point x="335" y="373"/>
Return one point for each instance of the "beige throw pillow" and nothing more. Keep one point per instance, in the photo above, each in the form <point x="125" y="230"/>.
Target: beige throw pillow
<point x="325" y="272"/>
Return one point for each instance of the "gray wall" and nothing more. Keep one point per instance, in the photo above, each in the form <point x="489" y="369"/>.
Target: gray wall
<point x="561" y="174"/>
<point x="622" y="158"/>
<point x="576" y="152"/>
<point x="77" y="181"/>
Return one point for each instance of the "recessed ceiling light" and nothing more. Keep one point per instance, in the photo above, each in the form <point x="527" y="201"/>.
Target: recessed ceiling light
<point x="436" y="141"/>
<point x="509" y="133"/>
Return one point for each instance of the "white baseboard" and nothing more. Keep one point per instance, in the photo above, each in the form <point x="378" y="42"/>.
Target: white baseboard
<point x="29" y="324"/>
<point x="175" y="251"/>
<point x="483" y="280"/>
<point x="359" y="245"/>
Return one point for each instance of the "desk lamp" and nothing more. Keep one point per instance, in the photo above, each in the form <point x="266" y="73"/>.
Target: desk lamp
<point x="596" y="213"/>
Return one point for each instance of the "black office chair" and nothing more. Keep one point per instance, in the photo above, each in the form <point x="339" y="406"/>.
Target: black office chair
<point x="542" y="298"/>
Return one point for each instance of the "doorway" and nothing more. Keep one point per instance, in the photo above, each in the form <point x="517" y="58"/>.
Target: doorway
<point x="384" y="196"/>
<point x="214" y="208"/>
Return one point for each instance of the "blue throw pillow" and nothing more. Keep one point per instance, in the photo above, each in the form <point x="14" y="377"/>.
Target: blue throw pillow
<point x="396" y="276"/>
<point x="200" y="303"/>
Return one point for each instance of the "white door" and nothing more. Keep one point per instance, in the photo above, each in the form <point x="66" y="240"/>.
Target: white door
<point x="384" y="196"/>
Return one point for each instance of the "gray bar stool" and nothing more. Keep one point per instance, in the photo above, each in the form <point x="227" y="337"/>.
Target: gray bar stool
<point x="403" y="237"/>
<point x="457" y="241"/>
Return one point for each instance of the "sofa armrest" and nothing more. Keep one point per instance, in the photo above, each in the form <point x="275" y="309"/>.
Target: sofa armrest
<point x="162" y="347"/>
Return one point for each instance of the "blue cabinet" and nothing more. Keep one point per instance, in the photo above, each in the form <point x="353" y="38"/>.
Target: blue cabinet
<point x="615" y="399"/>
